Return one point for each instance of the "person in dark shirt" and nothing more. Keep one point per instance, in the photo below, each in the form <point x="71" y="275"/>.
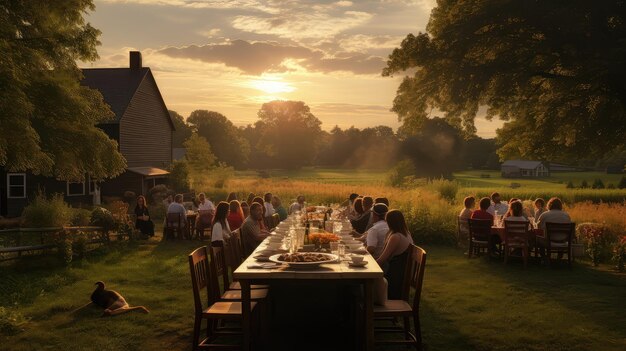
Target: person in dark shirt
<point x="143" y="222"/>
<point x="482" y="213"/>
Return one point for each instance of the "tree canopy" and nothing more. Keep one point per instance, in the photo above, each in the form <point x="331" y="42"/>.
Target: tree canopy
<point x="555" y="71"/>
<point x="182" y="130"/>
<point x="48" y="120"/>
<point x="225" y="140"/>
<point x="288" y="133"/>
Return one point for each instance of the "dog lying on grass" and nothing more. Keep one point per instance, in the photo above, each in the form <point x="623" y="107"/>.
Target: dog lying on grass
<point x="112" y="302"/>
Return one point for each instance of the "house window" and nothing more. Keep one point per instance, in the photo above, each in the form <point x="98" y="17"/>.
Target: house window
<point x="91" y="183"/>
<point x="75" y="188"/>
<point x="16" y="184"/>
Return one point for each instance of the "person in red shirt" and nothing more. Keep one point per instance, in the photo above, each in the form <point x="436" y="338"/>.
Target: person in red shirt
<point x="482" y="213"/>
<point x="235" y="215"/>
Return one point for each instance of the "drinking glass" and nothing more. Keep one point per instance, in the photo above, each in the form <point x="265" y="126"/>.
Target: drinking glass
<point x="334" y="247"/>
<point x="341" y="250"/>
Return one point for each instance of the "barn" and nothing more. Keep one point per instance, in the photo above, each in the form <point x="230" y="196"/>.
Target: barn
<point x="524" y="169"/>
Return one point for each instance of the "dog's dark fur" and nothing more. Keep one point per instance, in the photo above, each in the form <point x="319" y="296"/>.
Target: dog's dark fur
<point x="112" y="302"/>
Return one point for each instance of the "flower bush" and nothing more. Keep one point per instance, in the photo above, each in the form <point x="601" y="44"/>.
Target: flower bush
<point x="598" y="241"/>
<point x="619" y="254"/>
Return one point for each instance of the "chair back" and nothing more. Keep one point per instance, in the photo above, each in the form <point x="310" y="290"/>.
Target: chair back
<point x="408" y="272"/>
<point x="205" y="218"/>
<point x="560" y="233"/>
<point x="479" y="229"/>
<point x="516" y="231"/>
<point x="234" y="244"/>
<point x="200" y="277"/>
<point x="174" y="220"/>
<point x="418" y="266"/>
<point x="219" y="267"/>
<point x="275" y="220"/>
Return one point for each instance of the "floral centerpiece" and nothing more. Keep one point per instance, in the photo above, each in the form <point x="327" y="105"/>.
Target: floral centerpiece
<point x="323" y="239"/>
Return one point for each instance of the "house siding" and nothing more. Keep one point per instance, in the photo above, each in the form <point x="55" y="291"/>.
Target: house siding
<point x="145" y="130"/>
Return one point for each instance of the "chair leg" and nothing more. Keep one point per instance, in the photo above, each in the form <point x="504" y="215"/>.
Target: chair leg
<point x="407" y="328"/>
<point x="418" y="331"/>
<point x="525" y="253"/>
<point x="471" y="249"/>
<point x="506" y="255"/>
<point x="196" y="332"/>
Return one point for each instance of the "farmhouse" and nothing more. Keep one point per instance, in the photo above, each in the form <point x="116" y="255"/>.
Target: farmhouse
<point x="523" y="169"/>
<point x="142" y="128"/>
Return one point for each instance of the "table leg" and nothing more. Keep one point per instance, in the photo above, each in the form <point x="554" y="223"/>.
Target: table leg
<point x="246" y="313"/>
<point x="369" y="314"/>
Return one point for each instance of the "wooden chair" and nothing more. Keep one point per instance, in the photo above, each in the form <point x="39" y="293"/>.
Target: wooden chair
<point x="175" y="224"/>
<point x="462" y="231"/>
<point x="204" y="224"/>
<point x="215" y="310"/>
<point x="516" y="237"/>
<point x="219" y="269"/>
<point x="479" y="236"/>
<point x="558" y="239"/>
<point x="402" y="308"/>
<point x="234" y="244"/>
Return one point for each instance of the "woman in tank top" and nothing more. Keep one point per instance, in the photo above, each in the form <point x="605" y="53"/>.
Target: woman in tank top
<point x="393" y="258"/>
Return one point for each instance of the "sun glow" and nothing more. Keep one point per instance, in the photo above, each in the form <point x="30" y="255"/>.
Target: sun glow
<point x="270" y="86"/>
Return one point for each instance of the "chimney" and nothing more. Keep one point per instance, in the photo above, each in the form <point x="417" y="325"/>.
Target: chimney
<point x="135" y="60"/>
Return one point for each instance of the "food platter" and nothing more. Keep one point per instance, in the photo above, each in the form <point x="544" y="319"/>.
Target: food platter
<point x="322" y="258"/>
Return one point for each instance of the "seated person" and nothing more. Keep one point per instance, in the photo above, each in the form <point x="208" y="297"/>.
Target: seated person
<point x="375" y="236"/>
<point x="220" y="230"/>
<point x="368" y="202"/>
<point x="235" y="215"/>
<point x="252" y="233"/>
<point x="245" y="208"/>
<point x="509" y="213"/>
<point x="351" y="211"/>
<point x="469" y="203"/>
<point x="497" y="207"/>
<point x="393" y="258"/>
<point x="177" y="207"/>
<point x="360" y="222"/>
<point x="482" y="212"/>
<point x="555" y="214"/>
<point x="516" y="212"/>
<point x="278" y="207"/>
<point x="143" y="222"/>
<point x="204" y="204"/>
<point x="298" y="205"/>
<point x="382" y="200"/>
<point x="540" y="207"/>
<point x="269" y="208"/>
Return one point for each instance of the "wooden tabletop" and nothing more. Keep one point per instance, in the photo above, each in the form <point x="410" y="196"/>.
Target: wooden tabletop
<point x="324" y="271"/>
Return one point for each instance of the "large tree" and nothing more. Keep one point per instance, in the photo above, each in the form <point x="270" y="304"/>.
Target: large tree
<point x="48" y="121"/>
<point x="226" y="142"/>
<point x="289" y="133"/>
<point x="555" y="71"/>
<point x="182" y="130"/>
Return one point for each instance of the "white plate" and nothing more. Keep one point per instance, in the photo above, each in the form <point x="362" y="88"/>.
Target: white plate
<point x="331" y="258"/>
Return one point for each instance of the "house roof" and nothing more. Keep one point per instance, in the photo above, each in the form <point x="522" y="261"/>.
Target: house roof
<point x="148" y="171"/>
<point x="117" y="85"/>
<point x="522" y="164"/>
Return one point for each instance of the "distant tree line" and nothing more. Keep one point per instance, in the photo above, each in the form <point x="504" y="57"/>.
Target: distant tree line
<point x="288" y="135"/>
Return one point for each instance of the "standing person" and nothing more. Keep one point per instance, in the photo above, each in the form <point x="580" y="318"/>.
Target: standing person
<point x="468" y="203"/>
<point x="232" y="196"/>
<point x="269" y="209"/>
<point x="375" y="236"/>
<point x="252" y="233"/>
<point x="393" y="258"/>
<point x="235" y="215"/>
<point x="298" y="205"/>
<point x="278" y="207"/>
<point x="497" y="207"/>
<point x="143" y="221"/>
<point x="220" y="230"/>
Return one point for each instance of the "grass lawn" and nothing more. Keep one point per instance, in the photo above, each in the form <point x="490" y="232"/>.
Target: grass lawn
<point x="323" y="175"/>
<point x="473" y="179"/>
<point x="466" y="304"/>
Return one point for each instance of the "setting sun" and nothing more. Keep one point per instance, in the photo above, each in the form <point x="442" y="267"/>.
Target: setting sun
<point x="271" y="86"/>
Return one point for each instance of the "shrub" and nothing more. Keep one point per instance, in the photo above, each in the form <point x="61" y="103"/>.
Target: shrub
<point x="80" y="217"/>
<point x="179" y="176"/>
<point x="619" y="254"/>
<point x="598" y="241"/>
<point x="221" y="174"/>
<point x="129" y="196"/>
<point x="102" y="217"/>
<point x="584" y="184"/>
<point x="570" y="185"/>
<point x="610" y="186"/>
<point x="64" y="248"/>
<point x="447" y="189"/>
<point x="622" y="183"/>
<point x="44" y="212"/>
<point x="399" y="174"/>
<point x="158" y="193"/>
<point x="597" y="184"/>
<point x="79" y="244"/>
<point x="157" y="212"/>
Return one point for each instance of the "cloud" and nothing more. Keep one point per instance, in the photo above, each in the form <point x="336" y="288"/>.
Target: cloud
<point x="206" y="4"/>
<point x="256" y="58"/>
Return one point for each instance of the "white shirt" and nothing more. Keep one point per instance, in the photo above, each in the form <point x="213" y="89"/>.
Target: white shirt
<point x="295" y="207"/>
<point x="500" y="207"/>
<point x="206" y="206"/>
<point x="269" y="209"/>
<point x="219" y="234"/>
<point x="375" y="237"/>
<point x="553" y="216"/>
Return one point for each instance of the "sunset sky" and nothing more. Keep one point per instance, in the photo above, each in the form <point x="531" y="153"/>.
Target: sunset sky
<point x="231" y="56"/>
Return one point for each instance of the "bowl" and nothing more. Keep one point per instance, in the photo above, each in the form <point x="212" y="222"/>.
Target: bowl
<point x="357" y="259"/>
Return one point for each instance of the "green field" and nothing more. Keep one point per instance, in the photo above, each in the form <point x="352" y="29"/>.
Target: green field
<point x="322" y="175"/>
<point x="473" y="179"/>
<point x="466" y="304"/>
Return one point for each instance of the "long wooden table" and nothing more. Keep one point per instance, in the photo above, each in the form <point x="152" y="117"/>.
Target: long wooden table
<point x="326" y="272"/>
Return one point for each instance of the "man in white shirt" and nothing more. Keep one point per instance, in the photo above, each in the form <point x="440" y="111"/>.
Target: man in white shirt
<point x="497" y="206"/>
<point x="269" y="209"/>
<point x="375" y="236"/>
<point x="298" y="205"/>
<point x="555" y="214"/>
<point x="205" y="204"/>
